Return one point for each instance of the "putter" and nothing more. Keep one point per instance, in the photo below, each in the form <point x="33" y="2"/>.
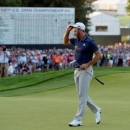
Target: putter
<point x="88" y="73"/>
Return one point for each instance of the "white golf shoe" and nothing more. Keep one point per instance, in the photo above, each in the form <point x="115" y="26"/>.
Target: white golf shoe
<point x="75" y="123"/>
<point x="100" y="109"/>
<point x="97" y="116"/>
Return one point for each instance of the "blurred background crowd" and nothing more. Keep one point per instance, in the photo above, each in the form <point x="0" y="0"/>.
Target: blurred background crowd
<point x="21" y="61"/>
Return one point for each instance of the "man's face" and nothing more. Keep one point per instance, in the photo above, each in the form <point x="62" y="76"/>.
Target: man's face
<point x="77" y="32"/>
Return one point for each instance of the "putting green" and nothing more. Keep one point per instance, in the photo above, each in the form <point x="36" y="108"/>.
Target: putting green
<point x="54" y="109"/>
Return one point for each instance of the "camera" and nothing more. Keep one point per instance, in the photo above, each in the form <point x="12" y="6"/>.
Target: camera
<point x="4" y="48"/>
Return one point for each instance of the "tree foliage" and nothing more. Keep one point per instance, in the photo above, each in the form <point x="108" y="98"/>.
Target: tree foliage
<point x="10" y="3"/>
<point x="128" y="7"/>
<point x="24" y="3"/>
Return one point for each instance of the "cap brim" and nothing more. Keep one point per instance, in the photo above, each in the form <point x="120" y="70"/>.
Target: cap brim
<point x="74" y="26"/>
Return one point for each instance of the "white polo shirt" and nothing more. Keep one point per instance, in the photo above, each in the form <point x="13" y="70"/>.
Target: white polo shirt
<point x="3" y="57"/>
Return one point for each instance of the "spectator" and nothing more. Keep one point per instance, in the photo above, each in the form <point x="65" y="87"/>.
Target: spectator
<point x="4" y="61"/>
<point x="24" y="68"/>
<point x="10" y="70"/>
<point x="33" y="60"/>
<point x="57" y="60"/>
<point x="45" y="66"/>
<point x="120" y="61"/>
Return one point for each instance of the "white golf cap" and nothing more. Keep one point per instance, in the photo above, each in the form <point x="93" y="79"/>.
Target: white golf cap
<point x="79" y="25"/>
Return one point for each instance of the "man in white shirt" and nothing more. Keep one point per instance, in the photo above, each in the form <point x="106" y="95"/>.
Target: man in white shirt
<point x="22" y="58"/>
<point x="4" y="59"/>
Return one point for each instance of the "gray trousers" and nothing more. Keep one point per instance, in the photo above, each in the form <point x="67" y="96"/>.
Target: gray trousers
<point x="82" y="81"/>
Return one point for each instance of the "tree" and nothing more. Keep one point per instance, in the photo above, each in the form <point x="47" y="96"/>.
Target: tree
<point x="24" y="3"/>
<point x="128" y="7"/>
<point x="10" y="3"/>
<point x="3" y="3"/>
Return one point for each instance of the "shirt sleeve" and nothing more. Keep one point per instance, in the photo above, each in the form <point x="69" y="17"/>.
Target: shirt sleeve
<point x="72" y="40"/>
<point x="93" y="46"/>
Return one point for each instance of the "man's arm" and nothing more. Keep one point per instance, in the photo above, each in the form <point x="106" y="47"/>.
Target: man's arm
<point x="93" y="61"/>
<point x="66" y="40"/>
<point x="96" y="58"/>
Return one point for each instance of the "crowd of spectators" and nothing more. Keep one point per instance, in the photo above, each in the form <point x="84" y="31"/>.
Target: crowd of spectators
<point x="115" y="55"/>
<point x="26" y="61"/>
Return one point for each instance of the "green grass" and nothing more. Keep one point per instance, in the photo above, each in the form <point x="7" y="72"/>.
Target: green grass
<point x="48" y="101"/>
<point x="124" y="20"/>
<point x="39" y="82"/>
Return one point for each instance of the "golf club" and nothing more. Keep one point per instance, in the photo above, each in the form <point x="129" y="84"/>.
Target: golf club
<point x="88" y="73"/>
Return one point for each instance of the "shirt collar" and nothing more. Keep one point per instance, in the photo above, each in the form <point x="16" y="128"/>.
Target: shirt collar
<point x="84" y="37"/>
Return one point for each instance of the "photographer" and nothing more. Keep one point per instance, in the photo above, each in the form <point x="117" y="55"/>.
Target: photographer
<point x="4" y="61"/>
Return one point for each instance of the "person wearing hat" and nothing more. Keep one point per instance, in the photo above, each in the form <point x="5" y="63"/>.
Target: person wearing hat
<point x="4" y="61"/>
<point x="85" y="48"/>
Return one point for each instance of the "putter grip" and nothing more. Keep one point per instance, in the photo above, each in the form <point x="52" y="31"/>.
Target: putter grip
<point x="99" y="81"/>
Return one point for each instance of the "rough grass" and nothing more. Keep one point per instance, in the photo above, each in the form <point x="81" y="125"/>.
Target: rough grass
<point x="39" y="82"/>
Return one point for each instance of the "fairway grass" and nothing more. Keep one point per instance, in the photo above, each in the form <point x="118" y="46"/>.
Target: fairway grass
<point x="54" y="109"/>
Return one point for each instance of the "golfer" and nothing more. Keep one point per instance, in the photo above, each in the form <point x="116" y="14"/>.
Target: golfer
<point x="86" y="54"/>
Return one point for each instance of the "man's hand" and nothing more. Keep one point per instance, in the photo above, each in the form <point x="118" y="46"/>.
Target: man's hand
<point x="84" y="66"/>
<point x="69" y="28"/>
<point x="66" y="40"/>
